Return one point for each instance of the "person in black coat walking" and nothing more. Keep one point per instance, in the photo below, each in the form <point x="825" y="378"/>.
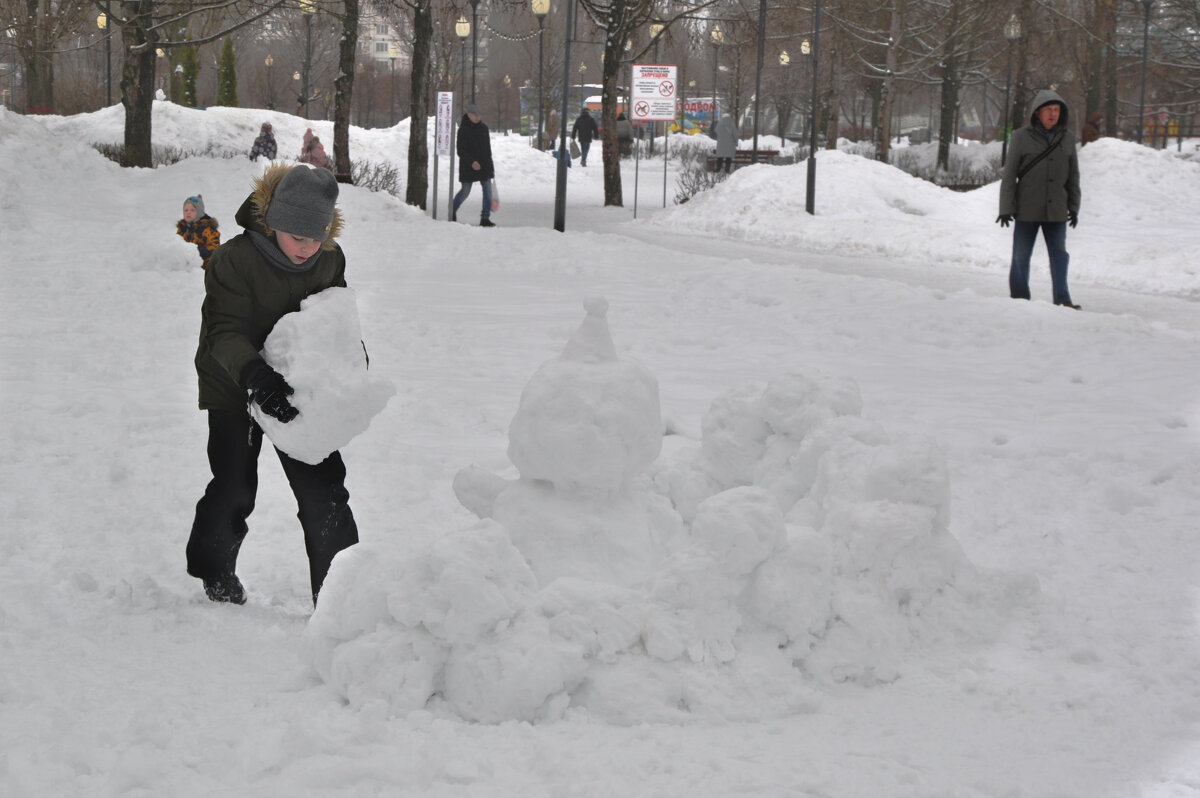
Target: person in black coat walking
<point x="475" y="163"/>
<point x="585" y="129"/>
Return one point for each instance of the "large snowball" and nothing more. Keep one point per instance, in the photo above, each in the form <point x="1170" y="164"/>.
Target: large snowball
<point x="319" y="351"/>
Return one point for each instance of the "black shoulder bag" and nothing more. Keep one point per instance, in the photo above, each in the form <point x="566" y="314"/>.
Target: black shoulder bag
<point x="1025" y="169"/>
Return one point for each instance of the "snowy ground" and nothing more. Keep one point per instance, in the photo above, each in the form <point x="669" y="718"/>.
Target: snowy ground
<point x="1055" y="656"/>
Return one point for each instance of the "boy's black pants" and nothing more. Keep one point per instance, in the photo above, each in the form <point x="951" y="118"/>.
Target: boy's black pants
<point x="234" y="442"/>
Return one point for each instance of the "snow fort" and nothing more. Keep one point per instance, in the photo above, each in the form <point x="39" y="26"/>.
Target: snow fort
<point x="796" y="545"/>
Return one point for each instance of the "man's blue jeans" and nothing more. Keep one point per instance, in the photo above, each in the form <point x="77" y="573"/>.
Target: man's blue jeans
<point x="584" y="146"/>
<point x="465" y="191"/>
<point x="1024" y="237"/>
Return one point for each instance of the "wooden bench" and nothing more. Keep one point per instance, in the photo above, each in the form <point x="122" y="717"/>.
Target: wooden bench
<point x="742" y="158"/>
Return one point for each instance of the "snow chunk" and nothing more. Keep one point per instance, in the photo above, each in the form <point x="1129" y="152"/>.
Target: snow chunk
<point x="319" y="351"/>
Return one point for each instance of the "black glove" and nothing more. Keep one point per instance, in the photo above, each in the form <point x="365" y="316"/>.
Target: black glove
<point x="1005" y="219"/>
<point x="1072" y="218"/>
<point x="270" y="390"/>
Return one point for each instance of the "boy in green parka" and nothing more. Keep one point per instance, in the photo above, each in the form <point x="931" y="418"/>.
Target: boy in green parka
<point x="286" y="253"/>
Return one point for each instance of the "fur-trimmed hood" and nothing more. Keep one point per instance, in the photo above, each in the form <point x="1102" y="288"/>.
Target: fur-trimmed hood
<point x="252" y="214"/>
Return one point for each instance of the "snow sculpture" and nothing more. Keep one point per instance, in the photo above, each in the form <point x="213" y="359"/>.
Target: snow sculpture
<point x="587" y="425"/>
<point x="797" y="544"/>
<point x="319" y="351"/>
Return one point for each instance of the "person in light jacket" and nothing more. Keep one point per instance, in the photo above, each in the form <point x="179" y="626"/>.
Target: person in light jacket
<point x="1040" y="191"/>
<point x="727" y="138"/>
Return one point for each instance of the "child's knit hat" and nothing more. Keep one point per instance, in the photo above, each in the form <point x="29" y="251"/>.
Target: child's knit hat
<point x="303" y="202"/>
<point x="197" y="202"/>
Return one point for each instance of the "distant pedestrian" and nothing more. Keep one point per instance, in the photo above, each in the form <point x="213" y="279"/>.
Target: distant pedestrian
<point x="624" y="135"/>
<point x="1040" y="191"/>
<point x="1091" y="128"/>
<point x="585" y="129"/>
<point x="552" y="129"/>
<point x="197" y="227"/>
<point x="727" y="139"/>
<point x="264" y="145"/>
<point x="312" y="152"/>
<point x="474" y="148"/>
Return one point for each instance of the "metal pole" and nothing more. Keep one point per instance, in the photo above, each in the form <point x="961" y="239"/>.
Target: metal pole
<point x="762" y="35"/>
<point x="107" y="54"/>
<point x="1007" y="108"/>
<point x="1145" y="47"/>
<point x="392" y="81"/>
<point x="653" y="125"/>
<point x="560" y="183"/>
<point x="811" y="185"/>
<point x="716" y="68"/>
<point x="307" y="57"/>
<point x="541" y="85"/>
<point x="474" y="43"/>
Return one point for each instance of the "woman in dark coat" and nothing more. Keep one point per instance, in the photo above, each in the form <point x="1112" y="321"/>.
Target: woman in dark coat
<point x="475" y="162"/>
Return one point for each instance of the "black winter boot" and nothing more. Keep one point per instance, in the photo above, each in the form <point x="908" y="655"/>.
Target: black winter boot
<point x="225" y="589"/>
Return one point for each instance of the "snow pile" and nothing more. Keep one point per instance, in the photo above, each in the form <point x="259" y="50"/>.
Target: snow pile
<point x="797" y="534"/>
<point x="865" y="207"/>
<point x="319" y="351"/>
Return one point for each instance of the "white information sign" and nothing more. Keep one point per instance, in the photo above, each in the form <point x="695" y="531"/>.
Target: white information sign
<point x="445" y="121"/>
<point x="653" y="95"/>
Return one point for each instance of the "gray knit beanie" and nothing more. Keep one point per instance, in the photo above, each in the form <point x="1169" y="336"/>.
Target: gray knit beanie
<point x="302" y="203"/>
<point x="197" y="202"/>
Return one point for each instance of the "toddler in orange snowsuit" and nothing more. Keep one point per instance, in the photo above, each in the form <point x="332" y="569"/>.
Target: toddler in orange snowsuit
<point x="197" y="227"/>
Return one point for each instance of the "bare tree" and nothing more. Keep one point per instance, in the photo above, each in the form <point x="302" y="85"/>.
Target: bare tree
<point x="620" y="21"/>
<point x="38" y="28"/>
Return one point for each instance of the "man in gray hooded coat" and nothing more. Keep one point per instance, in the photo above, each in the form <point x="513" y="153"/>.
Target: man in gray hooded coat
<point x="1040" y="191"/>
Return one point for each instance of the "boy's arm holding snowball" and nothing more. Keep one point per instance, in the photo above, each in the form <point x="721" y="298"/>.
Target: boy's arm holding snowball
<point x="229" y="306"/>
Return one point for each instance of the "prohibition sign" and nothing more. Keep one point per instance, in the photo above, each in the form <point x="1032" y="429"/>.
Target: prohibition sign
<point x="641" y="108"/>
<point x="666" y="88"/>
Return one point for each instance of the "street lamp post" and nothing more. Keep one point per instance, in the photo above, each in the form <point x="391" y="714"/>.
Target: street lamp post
<point x="270" y="62"/>
<point x="1145" y="48"/>
<point x="810" y="190"/>
<point x="656" y="30"/>
<point x="392" y="53"/>
<point x="540" y="9"/>
<point x="1012" y="32"/>
<point x="717" y="37"/>
<point x="560" y="178"/>
<point x="307" y="9"/>
<point x="762" y="34"/>
<point x="462" y="29"/>
<point x="102" y="24"/>
<point x="474" y="43"/>
<point x="784" y="60"/>
<point x="503" y="104"/>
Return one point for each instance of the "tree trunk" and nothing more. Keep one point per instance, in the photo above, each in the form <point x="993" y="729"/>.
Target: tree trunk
<point x="949" y="113"/>
<point x="137" y="85"/>
<point x="830" y="101"/>
<point x="418" y="117"/>
<point x="610" y="154"/>
<point x="883" y="130"/>
<point x="1107" y="31"/>
<point x="343" y="87"/>
<point x="39" y="84"/>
